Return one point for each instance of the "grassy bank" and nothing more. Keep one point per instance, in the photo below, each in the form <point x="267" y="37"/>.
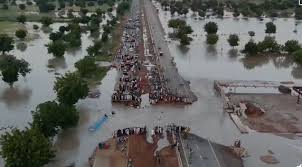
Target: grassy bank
<point x="32" y="13"/>
<point x="8" y="27"/>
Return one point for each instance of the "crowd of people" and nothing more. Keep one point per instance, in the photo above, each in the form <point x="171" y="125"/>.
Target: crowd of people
<point x="129" y="64"/>
<point x="129" y="131"/>
<point x="128" y="90"/>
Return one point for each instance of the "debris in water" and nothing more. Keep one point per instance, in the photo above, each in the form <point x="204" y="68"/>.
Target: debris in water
<point x="94" y="94"/>
<point x="269" y="159"/>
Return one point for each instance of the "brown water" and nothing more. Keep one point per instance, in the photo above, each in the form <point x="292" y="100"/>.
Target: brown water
<point x="199" y="64"/>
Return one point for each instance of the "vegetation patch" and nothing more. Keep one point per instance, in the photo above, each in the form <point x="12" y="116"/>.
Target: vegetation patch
<point x="9" y="27"/>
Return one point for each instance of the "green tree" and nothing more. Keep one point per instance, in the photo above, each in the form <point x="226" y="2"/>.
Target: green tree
<point x="269" y="44"/>
<point x="50" y="117"/>
<point x="122" y="8"/>
<point x="211" y="27"/>
<point x="94" y="50"/>
<point x="176" y="23"/>
<point x="11" y="68"/>
<point x="46" y="21"/>
<point x="292" y="46"/>
<point x="54" y="36"/>
<point x="6" y="43"/>
<point x="10" y="75"/>
<point x="70" y="88"/>
<point x="233" y="40"/>
<point x="21" y="33"/>
<point x="212" y="39"/>
<point x="270" y="28"/>
<point x="21" y="19"/>
<point x="250" y="48"/>
<point x="185" y="40"/>
<point x="24" y="148"/>
<point x="57" y="48"/>
<point x="86" y="66"/>
<point x="62" y="29"/>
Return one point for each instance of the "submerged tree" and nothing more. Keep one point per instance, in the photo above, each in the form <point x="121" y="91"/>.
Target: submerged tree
<point x="250" y="48"/>
<point x="270" y="28"/>
<point x="57" y="48"/>
<point x="86" y="66"/>
<point x="292" y="46"/>
<point x="6" y="43"/>
<point x="181" y="30"/>
<point x="70" y="88"/>
<point x="12" y="67"/>
<point x="251" y="33"/>
<point x="233" y="40"/>
<point x="50" y="117"/>
<point x="21" y="34"/>
<point x="212" y="39"/>
<point x="29" y="147"/>
<point x="211" y="27"/>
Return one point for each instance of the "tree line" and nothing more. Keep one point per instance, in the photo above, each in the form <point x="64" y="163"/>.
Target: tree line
<point x="33" y="146"/>
<point x="271" y="8"/>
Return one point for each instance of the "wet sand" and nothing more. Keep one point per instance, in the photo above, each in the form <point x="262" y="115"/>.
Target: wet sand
<point x="282" y="113"/>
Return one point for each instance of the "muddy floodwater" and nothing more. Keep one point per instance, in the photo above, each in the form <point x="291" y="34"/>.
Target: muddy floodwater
<point x="198" y="63"/>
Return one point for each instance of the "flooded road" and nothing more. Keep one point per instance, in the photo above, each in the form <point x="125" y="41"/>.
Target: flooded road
<point x="198" y="64"/>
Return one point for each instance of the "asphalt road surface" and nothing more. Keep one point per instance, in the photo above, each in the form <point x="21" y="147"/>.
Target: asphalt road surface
<point x="177" y="85"/>
<point x="205" y="153"/>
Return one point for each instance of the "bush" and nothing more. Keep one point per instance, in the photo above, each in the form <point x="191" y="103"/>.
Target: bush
<point x="269" y="44"/>
<point x="21" y="34"/>
<point x="22" y="6"/>
<point x="292" y="46"/>
<point x="86" y="66"/>
<point x="233" y="40"/>
<point x="35" y="27"/>
<point x="21" y="19"/>
<point x="250" y="48"/>
<point x="251" y="33"/>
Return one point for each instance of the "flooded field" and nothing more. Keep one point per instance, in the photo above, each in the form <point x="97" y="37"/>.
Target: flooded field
<point x="199" y="64"/>
<point x="199" y="60"/>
